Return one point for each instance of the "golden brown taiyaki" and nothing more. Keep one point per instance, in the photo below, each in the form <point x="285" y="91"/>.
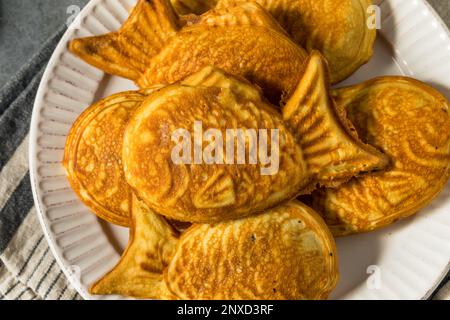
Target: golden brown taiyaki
<point x="153" y="48"/>
<point x="211" y="148"/>
<point x="340" y="29"/>
<point x="284" y="253"/>
<point x="93" y="156"/>
<point x="410" y="122"/>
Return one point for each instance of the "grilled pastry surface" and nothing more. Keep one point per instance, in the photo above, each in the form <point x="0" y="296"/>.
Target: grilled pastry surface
<point x="285" y="253"/>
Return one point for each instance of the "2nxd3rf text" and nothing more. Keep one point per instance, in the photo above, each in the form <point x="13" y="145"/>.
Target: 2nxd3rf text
<point x="226" y="309"/>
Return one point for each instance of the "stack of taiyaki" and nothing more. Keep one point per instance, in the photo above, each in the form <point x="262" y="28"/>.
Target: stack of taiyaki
<point x="362" y="157"/>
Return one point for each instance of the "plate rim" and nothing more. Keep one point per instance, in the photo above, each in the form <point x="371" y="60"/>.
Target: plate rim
<point x="32" y="146"/>
<point x="446" y="270"/>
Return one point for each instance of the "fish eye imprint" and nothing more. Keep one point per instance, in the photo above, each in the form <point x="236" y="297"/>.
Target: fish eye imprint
<point x="230" y="150"/>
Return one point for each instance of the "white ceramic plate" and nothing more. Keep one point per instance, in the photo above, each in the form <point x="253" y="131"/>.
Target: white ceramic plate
<point x="405" y="261"/>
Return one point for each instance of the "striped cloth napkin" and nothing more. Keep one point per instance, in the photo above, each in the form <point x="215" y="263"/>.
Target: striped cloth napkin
<point x="28" y="269"/>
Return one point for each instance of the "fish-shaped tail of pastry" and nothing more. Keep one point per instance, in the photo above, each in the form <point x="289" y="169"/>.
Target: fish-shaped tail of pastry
<point x="128" y="51"/>
<point x="139" y="273"/>
<point x="329" y="141"/>
<point x="104" y="53"/>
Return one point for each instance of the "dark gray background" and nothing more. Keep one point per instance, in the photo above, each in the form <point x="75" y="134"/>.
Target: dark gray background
<point x="25" y="24"/>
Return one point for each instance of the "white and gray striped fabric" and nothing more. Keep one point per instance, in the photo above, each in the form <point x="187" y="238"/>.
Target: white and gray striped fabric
<point x="28" y="269"/>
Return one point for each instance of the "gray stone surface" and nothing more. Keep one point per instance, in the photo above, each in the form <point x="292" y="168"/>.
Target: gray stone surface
<point x="24" y="27"/>
<point x="443" y="8"/>
<point x="26" y="24"/>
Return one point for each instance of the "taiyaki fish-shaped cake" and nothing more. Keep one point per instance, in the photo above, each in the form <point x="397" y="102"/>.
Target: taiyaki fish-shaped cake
<point x="211" y="148"/>
<point x="284" y="253"/>
<point x="343" y="30"/>
<point x="93" y="156"/>
<point x="153" y="48"/>
<point x="410" y="122"/>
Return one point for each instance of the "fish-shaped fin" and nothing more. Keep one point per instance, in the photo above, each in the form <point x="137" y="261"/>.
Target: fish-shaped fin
<point x="217" y="192"/>
<point x="127" y="52"/>
<point x="139" y="272"/>
<point x="147" y="30"/>
<point x="239" y="14"/>
<point x="331" y="148"/>
<point x="104" y="52"/>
